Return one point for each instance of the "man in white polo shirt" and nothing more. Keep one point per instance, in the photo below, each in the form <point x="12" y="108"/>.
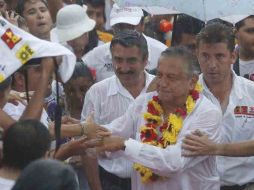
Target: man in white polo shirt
<point x="100" y="57"/>
<point x="110" y="98"/>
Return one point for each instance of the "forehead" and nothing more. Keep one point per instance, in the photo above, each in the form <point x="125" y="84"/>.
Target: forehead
<point x="171" y="65"/>
<point x="121" y="50"/>
<point x="249" y="22"/>
<point x="33" y="3"/>
<point x="220" y="47"/>
<point x="90" y="7"/>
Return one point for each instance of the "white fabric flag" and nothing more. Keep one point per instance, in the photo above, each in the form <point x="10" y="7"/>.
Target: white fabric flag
<point x="18" y="46"/>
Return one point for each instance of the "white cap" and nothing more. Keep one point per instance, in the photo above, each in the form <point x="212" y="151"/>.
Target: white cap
<point x="72" y="22"/>
<point x="128" y="15"/>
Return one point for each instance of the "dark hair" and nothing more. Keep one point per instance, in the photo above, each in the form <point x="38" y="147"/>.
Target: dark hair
<point x="217" y="33"/>
<point x="130" y="38"/>
<point x="81" y="70"/>
<point x="218" y="20"/>
<point x="21" y="5"/>
<point x="5" y="84"/>
<point x="190" y="61"/>
<point x="186" y="25"/>
<point x="94" y="3"/>
<point x="24" y="142"/>
<point x="239" y="24"/>
<point x="45" y="175"/>
<point x="93" y="40"/>
<point x="23" y="69"/>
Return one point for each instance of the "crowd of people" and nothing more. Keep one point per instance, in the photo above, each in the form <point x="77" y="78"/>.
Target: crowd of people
<point x="139" y="112"/>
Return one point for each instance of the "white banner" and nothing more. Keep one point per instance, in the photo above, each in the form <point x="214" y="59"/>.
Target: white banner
<point x="18" y="46"/>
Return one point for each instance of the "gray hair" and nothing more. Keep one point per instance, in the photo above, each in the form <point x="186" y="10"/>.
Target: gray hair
<point x="191" y="65"/>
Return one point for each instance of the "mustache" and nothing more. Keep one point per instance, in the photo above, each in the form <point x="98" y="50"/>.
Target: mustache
<point x="124" y="73"/>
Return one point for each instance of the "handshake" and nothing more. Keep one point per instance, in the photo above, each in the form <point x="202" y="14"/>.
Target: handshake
<point x="90" y="135"/>
<point x="100" y="137"/>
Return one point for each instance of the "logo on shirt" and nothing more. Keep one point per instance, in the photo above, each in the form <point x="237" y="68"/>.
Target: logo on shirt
<point x="109" y="67"/>
<point x="10" y="38"/>
<point x="244" y="110"/>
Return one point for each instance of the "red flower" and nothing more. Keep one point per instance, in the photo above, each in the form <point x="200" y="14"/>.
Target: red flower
<point x="163" y="127"/>
<point x="151" y="109"/>
<point x="181" y="112"/>
<point x="194" y="94"/>
<point x="156" y="98"/>
<point x="151" y="124"/>
<point x="148" y="135"/>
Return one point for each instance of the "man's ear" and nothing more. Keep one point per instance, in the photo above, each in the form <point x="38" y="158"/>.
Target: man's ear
<point x="233" y="57"/>
<point x="193" y="81"/>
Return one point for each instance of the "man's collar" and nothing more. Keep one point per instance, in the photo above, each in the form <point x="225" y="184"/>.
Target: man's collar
<point x="115" y="86"/>
<point x="236" y="87"/>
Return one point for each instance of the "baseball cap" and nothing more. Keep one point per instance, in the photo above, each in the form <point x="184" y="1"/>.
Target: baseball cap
<point x="128" y="15"/>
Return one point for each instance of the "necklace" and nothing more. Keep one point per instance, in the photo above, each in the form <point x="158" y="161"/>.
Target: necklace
<point x="163" y="132"/>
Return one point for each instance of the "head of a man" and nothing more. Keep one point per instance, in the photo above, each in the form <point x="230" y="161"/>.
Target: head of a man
<point x="245" y="37"/>
<point x="75" y="89"/>
<point x="186" y="29"/>
<point x="127" y="18"/>
<point x="47" y="174"/>
<point x="72" y="27"/>
<point x="37" y="17"/>
<point x="96" y="11"/>
<point x="215" y="52"/>
<point x="129" y="55"/>
<point x="30" y="75"/>
<point x="24" y="142"/>
<point x="176" y="75"/>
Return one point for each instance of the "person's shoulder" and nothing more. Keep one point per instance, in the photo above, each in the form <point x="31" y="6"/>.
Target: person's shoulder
<point x="103" y="84"/>
<point x="145" y="97"/>
<point x="245" y="82"/>
<point x="155" y="43"/>
<point x="244" y="85"/>
<point x="6" y="184"/>
<point x="101" y="48"/>
<point x="96" y="53"/>
<point x="207" y="105"/>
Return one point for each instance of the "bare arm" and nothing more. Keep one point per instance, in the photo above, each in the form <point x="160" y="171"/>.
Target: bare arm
<point x="201" y="145"/>
<point x="91" y="169"/>
<point x="5" y="120"/>
<point x="35" y="106"/>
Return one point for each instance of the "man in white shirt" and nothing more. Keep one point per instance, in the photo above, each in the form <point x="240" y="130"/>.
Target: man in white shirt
<point x="176" y="83"/>
<point x="110" y="98"/>
<point x="233" y="95"/>
<point x="244" y="65"/>
<point x="120" y="19"/>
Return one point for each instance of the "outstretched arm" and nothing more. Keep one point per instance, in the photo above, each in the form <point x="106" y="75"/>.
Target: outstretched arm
<point x="200" y="144"/>
<point x="35" y="106"/>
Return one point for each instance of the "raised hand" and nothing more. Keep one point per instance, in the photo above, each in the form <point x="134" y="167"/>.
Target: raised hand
<point x="93" y="130"/>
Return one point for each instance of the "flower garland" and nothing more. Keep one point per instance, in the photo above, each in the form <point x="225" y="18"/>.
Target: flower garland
<point x="163" y="134"/>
